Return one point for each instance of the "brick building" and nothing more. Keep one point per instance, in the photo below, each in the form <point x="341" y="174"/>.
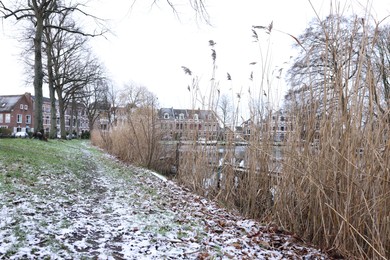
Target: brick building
<point x="189" y="123"/>
<point x="16" y="113"/>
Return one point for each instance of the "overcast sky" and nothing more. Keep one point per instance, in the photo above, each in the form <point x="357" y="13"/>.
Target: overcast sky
<point x="148" y="45"/>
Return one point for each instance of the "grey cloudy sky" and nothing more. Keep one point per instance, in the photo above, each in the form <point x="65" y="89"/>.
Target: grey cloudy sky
<point x="148" y="45"/>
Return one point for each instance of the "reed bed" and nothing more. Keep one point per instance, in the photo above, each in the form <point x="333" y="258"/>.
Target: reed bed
<point x="331" y="186"/>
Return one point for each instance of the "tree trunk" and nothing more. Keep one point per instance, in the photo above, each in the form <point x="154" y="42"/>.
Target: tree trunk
<point x="91" y="121"/>
<point x="53" y="109"/>
<point x="72" y="114"/>
<point x="53" y="112"/>
<point x="38" y="75"/>
<point x="61" y="105"/>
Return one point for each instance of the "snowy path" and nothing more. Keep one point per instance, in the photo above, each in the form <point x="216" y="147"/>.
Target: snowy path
<point x="112" y="211"/>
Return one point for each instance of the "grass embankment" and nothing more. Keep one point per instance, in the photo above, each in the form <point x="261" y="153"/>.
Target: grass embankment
<point x="46" y="188"/>
<point x="25" y="160"/>
<point x="68" y="200"/>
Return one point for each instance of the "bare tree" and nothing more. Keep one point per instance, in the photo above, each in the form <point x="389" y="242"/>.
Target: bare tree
<point x="71" y="67"/>
<point x="322" y="71"/>
<point x="94" y="98"/>
<point x="113" y="99"/>
<point x="36" y="12"/>
<point x="133" y="95"/>
<point x="225" y="109"/>
<point x="67" y="54"/>
<point x="50" y="38"/>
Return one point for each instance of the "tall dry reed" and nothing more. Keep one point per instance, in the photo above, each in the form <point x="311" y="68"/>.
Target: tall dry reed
<point x="331" y="183"/>
<point x="335" y="190"/>
<point x="332" y="186"/>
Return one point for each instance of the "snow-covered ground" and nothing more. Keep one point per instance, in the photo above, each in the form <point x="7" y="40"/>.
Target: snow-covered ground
<point x="113" y="211"/>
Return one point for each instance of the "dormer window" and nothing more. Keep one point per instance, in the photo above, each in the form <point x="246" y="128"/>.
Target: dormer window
<point x="166" y="116"/>
<point x="196" y="117"/>
<point x="181" y="116"/>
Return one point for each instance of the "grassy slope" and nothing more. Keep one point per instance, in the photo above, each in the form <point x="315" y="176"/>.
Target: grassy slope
<point x="68" y="200"/>
<point x="26" y="159"/>
<point x="47" y="177"/>
<point x="42" y="174"/>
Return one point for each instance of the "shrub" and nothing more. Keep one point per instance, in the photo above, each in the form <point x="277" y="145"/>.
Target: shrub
<point x="5" y="132"/>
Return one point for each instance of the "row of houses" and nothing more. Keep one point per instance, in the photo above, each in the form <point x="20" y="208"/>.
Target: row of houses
<point x="182" y="124"/>
<point x="17" y="111"/>
<point x="16" y="114"/>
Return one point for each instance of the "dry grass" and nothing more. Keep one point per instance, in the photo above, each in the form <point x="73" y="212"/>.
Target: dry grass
<point x="335" y="192"/>
<point x="136" y="140"/>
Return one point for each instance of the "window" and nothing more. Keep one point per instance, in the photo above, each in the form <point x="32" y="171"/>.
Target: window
<point x="25" y="107"/>
<point x="19" y="119"/>
<point x="8" y="118"/>
<point x="21" y="106"/>
<point x="28" y="119"/>
<point x="196" y="117"/>
<point x="181" y="116"/>
<point x="1" y="118"/>
<point x="166" y="116"/>
<point x="282" y="118"/>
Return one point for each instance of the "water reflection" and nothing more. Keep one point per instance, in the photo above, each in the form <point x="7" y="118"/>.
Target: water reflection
<point x="237" y="156"/>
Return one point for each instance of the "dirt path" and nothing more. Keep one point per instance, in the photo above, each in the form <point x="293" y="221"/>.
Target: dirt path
<point x="113" y="211"/>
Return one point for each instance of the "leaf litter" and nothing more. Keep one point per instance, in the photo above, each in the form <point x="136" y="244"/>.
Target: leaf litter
<point x="110" y="210"/>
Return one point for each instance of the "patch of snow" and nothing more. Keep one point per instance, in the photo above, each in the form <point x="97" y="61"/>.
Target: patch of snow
<point x="115" y="211"/>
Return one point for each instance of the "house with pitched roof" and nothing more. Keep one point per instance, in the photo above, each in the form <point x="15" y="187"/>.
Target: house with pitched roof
<point x="179" y="124"/>
<point x="16" y="113"/>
